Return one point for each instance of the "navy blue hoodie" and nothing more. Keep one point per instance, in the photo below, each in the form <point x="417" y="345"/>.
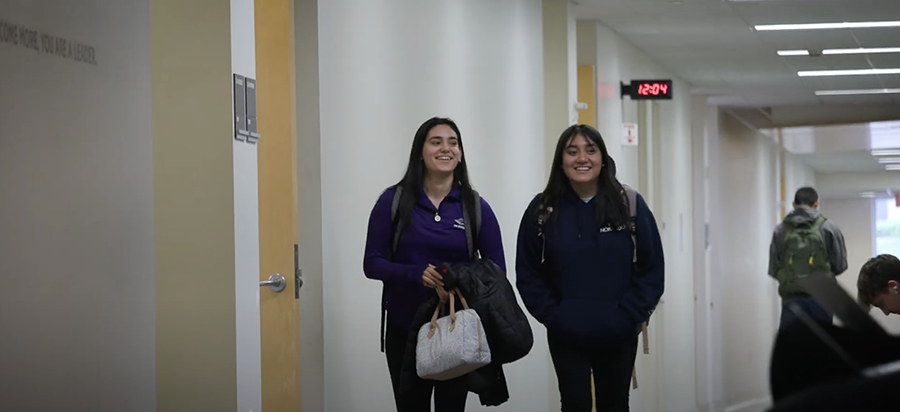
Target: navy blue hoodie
<point x="587" y="289"/>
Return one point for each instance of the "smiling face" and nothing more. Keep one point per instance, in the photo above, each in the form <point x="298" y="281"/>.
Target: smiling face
<point x="441" y="152"/>
<point x="582" y="161"/>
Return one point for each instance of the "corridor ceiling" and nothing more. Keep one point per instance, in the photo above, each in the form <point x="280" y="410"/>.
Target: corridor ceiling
<point x="844" y="148"/>
<point x="712" y="45"/>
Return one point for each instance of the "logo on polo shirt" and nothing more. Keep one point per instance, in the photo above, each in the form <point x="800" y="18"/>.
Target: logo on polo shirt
<point x="459" y="224"/>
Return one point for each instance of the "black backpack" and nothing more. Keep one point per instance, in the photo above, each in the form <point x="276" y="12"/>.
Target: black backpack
<point x="397" y="229"/>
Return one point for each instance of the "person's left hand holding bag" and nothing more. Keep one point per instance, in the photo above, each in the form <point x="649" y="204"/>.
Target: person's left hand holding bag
<point x="431" y="278"/>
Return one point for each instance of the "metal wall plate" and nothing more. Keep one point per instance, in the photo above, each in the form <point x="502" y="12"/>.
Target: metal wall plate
<point x="251" y="110"/>
<point x="240" y="108"/>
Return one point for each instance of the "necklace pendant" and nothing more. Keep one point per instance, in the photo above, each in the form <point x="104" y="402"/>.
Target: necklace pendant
<point x="437" y="217"/>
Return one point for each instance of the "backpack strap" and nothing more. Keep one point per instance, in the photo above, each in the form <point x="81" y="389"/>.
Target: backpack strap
<point x="543" y="213"/>
<point x="472" y="232"/>
<point x="397" y="226"/>
<point x="820" y="220"/>
<point x="631" y="198"/>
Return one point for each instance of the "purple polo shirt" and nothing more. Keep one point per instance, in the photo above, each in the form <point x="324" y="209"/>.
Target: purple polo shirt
<point x="425" y="241"/>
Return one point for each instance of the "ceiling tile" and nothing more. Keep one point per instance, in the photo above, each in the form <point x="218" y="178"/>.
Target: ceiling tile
<point x="890" y="82"/>
<point x="847" y="62"/>
<point x="884" y="61"/>
<point x="787" y="12"/>
<point x="792" y="40"/>
<point x="867" y="10"/>
<point x="883" y="37"/>
<point x="842" y="82"/>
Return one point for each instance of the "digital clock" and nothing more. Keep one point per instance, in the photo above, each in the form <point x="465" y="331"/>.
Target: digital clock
<point x="648" y="90"/>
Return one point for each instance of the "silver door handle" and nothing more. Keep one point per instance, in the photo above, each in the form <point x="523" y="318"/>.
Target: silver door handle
<point x="275" y="283"/>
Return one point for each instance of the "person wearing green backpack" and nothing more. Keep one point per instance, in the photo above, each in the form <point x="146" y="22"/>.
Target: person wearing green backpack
<point x="804" y="244"/>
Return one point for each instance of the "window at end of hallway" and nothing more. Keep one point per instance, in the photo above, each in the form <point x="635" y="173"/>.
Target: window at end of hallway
<point x="887" y="226"/>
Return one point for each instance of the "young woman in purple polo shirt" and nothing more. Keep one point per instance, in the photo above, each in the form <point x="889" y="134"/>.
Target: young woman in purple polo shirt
<point x="577" y="274"/>
<point x="434" y="192"/>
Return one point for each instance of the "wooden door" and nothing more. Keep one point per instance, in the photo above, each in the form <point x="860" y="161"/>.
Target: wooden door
<point x="279" y="312"/>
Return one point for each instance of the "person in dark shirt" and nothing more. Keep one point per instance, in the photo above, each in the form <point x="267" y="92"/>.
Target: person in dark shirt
<point x="434" y="192"/>
<point x="576" y="272"/>
<point x="879" y="284"/>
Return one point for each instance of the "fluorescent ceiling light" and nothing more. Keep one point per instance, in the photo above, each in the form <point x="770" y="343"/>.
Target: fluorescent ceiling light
<point x="853" y="92"/>
<point x="889" y="152"/>
<point x="826" y="26"/>
<point x="892" y="167"/>
<point x="857" y="72"/>
<point x="863" y="50"/>
<point x="889" y="160"/>
<point x="867" y="194"/>
<point x="793" y="52"/>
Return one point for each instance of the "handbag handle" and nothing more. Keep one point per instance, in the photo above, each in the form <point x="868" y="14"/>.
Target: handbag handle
<point x="452" y="311"/>
<point x="434" y="317"/>
<point x="462" y="299"/>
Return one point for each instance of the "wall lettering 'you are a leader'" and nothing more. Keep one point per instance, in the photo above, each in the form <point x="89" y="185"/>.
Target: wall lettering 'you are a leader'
<point x="49" y="44"/>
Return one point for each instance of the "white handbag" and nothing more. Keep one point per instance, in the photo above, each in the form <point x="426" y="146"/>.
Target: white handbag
<point x="453" y="345"/>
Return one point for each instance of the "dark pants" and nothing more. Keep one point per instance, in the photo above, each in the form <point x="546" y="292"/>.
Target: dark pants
<point x="809" y="305"/>
<point x="611" y="363"/>
<point x="419" y="398"/>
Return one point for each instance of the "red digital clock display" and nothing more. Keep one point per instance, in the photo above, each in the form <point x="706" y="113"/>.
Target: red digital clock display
<point x="653" y="89"/>
<point x="650" y="89"/>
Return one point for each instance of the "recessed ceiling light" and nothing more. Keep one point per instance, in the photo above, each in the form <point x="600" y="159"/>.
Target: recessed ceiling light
<point x="889" y="152"/>
<point x="891" y="167"/>
<point x="826" y="26"/>
<point x="867" y="194"/>
<point x="884" y="160"/>
<point x="793" y="52"/>
<point x="857" y="72"/>
<point x="859" y="91"/>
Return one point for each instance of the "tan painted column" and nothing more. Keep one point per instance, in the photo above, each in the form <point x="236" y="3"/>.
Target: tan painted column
<point x="193" y="205"/>
<point x="560" y="72"/>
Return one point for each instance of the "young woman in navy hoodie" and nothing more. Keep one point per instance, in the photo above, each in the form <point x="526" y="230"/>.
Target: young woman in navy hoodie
<point x="576" y="272"/>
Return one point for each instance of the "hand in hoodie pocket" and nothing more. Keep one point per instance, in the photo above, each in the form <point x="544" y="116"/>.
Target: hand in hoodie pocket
<point x="584" y="320"/>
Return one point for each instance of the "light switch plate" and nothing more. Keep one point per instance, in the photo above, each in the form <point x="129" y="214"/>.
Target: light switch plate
<point x="251" y="111"/>
<point x="240" y="108"/>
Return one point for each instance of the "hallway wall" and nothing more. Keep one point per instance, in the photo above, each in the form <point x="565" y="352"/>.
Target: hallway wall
<point x="796" y="175"/>
<point x="855" y="218"/>
<point x="743" y="300"/>
<point x="117" y="248"/>
<point x="480" y="63"/>
<point x="76" y="216"/>
<point x="309" y="204"/>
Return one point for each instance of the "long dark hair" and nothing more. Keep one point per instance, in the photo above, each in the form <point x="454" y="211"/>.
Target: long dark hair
<point x="609" y="202"/>
<point x="414" y="179"/>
